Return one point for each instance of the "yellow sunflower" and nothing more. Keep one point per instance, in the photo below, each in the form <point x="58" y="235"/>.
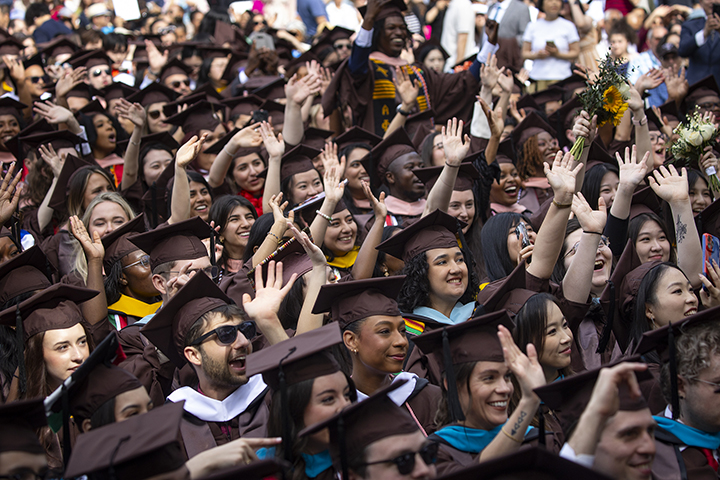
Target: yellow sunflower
<point x="614" y="104"/>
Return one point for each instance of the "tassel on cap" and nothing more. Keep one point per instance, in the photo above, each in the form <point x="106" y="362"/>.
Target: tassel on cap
<point x="675" y="401"/>
<point x="456" y="413"/>
<point x="20" y="345"/>
<point x="285" y="408"/>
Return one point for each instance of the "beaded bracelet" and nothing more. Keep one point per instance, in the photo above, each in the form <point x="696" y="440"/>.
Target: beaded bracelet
<point x="324" y="215"/>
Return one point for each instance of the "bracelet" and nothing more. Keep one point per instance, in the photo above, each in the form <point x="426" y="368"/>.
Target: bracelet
<point x="137" y="144"/>
<point x="561" y="205"/>
<point x="325" y="216"/>
<point x="510" y="436"/>
<point x="592" y="233"/>
<point x="276" y="237"/>
<point x="640" y="123"/>
<point x="451" y="166"/>
<point x="153" y="73"/>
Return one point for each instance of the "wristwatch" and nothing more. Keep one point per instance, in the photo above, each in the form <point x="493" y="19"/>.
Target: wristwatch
<point x="401" y="111"/>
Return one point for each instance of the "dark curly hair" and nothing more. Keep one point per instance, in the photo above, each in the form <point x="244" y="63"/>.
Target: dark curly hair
<point x="416" y="289"/>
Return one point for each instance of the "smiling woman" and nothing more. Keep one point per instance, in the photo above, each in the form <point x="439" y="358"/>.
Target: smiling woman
<point x="235" y="216"/>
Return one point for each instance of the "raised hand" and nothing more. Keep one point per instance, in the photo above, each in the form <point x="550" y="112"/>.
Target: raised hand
<point x="334" y="189"/>
<point x="9" y="194"/>
<point x="15" y="66"/>
<point x="313" y="251"/>
<point x="298" y="90"/>
<point x="635" y="102"/>
<point x="677" y="85"/>
<point x="652" y="79"/>
<point x="518" y="115"/>
<point x="268" y="295"/>
<point x="494" y="118"/>
<point x="710" y="295"/>
<point x="489" y="72"/>
<point x="406" y="88"/>
<point x="274" y="146"/>
<point x="605" y="398"/>
<point x="379" y="208"/>
<point x="709" y="160"/>
<point x="54" y="114"/>
<point x="329" y="157"/>
<point x="631" y="171"/>
<point x="176" y="283"/>
<point x="189" y="151"/>
<point x="278" y="209"/>
<point x="156" y="59"/>
<point x="506" y="82"/>
<point x="562" y="177"/>
<point x="526" y="368"/>
<point x="590" y="220"/>
<point x="585" y="127"/>
<point x="50" y="156"/>
<point x="248" y="137"/>
<point x="69" y="80"/>
<point x="455" y="149"/>
<point x="132" y="111"/>
<point x="670" y="185"/>
<point x="93" y="249"/>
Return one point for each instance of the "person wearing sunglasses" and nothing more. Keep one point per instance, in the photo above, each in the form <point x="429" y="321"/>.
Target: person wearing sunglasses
<point x="375" y="439"/>
<point x="202" y="327"/>
<point x="99" y="73"/>
<point x="176" y="76"/>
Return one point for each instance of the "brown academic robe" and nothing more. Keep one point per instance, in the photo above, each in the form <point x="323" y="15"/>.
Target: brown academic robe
<point x="423" y="404"/>
<point x="672" y="464"/>
<point x="198" y="436"/>
<point x="451" y="95"/>
<point x="30" y="224"/>
<point x="58" y="249"/>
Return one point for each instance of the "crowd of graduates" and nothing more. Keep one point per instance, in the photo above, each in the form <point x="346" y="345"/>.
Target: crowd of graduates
<point x="262" y="253"/>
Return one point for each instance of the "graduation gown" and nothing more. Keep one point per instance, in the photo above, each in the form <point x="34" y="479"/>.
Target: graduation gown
<point x="208" y="423"/>
<point x="674" y="460"/>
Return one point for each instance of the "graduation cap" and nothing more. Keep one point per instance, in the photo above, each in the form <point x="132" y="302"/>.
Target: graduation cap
<point x="163" y="138"/>
<point x="297" y="160"/>
<point x="156" y="92"/>
<point x="10" y="46"/>
<point x="10" y="106"/>
<point x="275" y="110"/>
<point x="91" y="109"/>
<point x="509" y="293"/>
<point x="528" y="103"/>
<point x="473" y="341"/>
<point x="599" y="156"/>
<point x="378" y="161"/>
<point x="102" y="384"/>
<point x="702" y="88"/>
<point x="20" y="420"/>
<point x="140" y="447"/>
<point x="34" y="60"/>
<point x="505" y="152"/>
<point x="28" y="272"/>
<point x="170" y="325"/>
<point x="174" y="67"/>
<point x="466" y="176"/>
<point x="61" y="45"/>
<point x="568" y="397"/>
<point x="350" y="301"/>
<point x="535" y="462"/>
<point x="303" y="357"/>
<point x="225" y="33"/>
<point x="295" y="64"/>
<point x="316" y="137"/>
<point x="171" y="243"/>
<point x="294" y="260"/>
<point x="709" y="219"/>
<point x="91" y="59"/>
<point x="58" y="139"/>
<point x="199" y="116"/>
<point x="81" y="90"/>
<point x="572" y="83"/>
<point x="662" y="340"/>
<point x="257" y="470"/>
<point x="271" y="90"/>
<point x="16" y="146"/>
<point x="531" y="125"/>
<point x="436" y="230"/>
<point x="54" y="308"/>
<point x="70" y="168"/>
<point x="243" y="105"/>
<point x="116" y="243"/>
<point x="361" y="424"/>
<point x="563" y="118"/>
<point x="550" y="94"/>
<point x="331" y="35"/>
<point x="356" y="135"/>
<point x="115" y="90"/>
<point x="420" y="124"/>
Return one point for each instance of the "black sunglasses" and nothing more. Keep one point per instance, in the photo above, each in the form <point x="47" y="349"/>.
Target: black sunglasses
<point x="346" y="46"/>
<point x="99" y="71"/>
<point x="405" y="463"/>
<point x="43" y="79"/>
<point x="177" y="83"/>
<point x="154" y="114"/>
<point x="227" y="334"/>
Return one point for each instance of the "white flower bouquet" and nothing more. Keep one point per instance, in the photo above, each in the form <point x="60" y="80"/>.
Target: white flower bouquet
<point x="696" y="133"/>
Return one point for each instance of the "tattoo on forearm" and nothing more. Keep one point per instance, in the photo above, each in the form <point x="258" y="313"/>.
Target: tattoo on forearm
<point x="519" y="421"/>
<point x="680" y="230"/>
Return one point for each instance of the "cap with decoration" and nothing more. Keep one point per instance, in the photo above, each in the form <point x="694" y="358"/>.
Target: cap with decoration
<point x="509" y="293"/>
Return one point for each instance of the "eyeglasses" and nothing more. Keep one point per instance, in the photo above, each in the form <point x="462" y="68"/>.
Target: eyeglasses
<point x="212" y="272"/>
<point x="604" y="243"/>
<point x="655" y="138"/>
<point x="144" y="261"/>
<point x="227" y="334"/>
<point x="439" y="146"/>
<point x="43" y="79"/>
<point x="712" y="384"/>
<point x="154" y="114"/>
<point x="178" y="83"/>
<point x="99" y="71"/>
<point x="709" y="106"/>
<point x="405" y="463"/>
<point x="345" y="46"/>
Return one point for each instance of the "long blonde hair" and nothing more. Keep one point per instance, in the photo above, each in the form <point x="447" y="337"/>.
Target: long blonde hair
<point x="80" y="260"/>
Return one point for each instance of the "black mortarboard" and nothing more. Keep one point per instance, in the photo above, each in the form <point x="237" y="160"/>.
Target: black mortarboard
<point x="420" y="123"/>
<point x="171" y="243"/>
<point x="34" y="60"/>
<point x="563" y="118"/>
<point x="140" y="447"/>
<point x="709" y="219"/>
<point x="10" y="46"/>
<point x="200" y="116"/>
<point x="467" y="174"/>
<point x="170" y="325"/>
<point x="350" y="301"/>
<point x="316" y="137"/>
<point x="28" y="272"/>
<point x="115" y="90"/>
<point x="272" y="90"/>
<point x="243" y="105"/>
<point x="528" y="103"/>
<point x="644" y="200"/>
<point x="91" y="59"/>
<point x="572" y="83"/>
<point x="16" y="146"/>
<point x="59" y="46"/>
<point x="506" y="152"/>
<point x="275" y="110"/>
<point x="332" y="34"/>
<point x="436" y="230"/>
<point x="297" y="160"/>
<point x="599" y="156"/>
<point x="10" y="106"/>
<point x="154" y="93"/>
<point x="473" y="341"/>
<point x="103" y="383"/>
<point x="174" y="67"/>
<point x="550" y="94"/>
<point x="361" y="424"/>
<point x="509" y="293"/>
<point x="378" y="161"/>
<point x="531" y="125"/>
<point x="356" y="135"/>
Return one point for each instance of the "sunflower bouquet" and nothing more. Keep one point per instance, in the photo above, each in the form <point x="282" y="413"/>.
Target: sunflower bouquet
<point x="606" y="97"/>
<point x="696" y="133"/>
